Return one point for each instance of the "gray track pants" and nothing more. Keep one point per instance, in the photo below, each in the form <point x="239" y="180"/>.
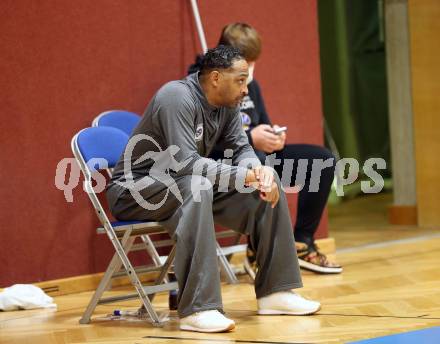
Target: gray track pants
<point x="192" y="226"/>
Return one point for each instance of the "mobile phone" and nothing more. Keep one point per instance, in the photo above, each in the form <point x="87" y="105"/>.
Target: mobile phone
<point x="280" y="130"/>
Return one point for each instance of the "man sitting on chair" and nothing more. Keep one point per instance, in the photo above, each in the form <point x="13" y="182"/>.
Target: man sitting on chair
<point x="182" y="124"/>
<point x="263" y="138"/>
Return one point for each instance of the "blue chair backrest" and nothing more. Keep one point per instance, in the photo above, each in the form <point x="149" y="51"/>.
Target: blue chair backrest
<point x="123" y="120"/>
<point x="101" y="142"/>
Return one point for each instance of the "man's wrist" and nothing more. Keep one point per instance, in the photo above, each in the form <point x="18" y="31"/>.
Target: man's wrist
<point x="250" y="177"/>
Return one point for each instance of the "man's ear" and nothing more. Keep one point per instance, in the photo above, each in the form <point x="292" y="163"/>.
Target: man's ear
<point x="215" y="76"/>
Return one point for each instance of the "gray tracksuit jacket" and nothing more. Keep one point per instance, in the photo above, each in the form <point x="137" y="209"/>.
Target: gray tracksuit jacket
<point x="180" y="115"/>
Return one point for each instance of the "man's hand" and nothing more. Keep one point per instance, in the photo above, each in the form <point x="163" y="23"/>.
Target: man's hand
<point x="272" y="196"/>
<point x="262" y="178"/>
<point x="265" y="140"/>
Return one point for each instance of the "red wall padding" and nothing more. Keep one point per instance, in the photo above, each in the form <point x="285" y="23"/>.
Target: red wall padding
<point x="63" y="62"/>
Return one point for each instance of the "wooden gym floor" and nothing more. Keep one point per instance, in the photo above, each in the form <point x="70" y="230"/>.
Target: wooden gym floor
<point x="390" y="284"/>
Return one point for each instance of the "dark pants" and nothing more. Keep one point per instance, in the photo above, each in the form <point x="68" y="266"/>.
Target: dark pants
<point x="311" y="204"/>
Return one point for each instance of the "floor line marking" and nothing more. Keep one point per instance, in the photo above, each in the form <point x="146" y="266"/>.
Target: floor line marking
<point x="222" y="340"/>
<point x="388" y="243"/>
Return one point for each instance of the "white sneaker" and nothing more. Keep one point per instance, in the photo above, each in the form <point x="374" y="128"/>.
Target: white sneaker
<point x="286" y="302"/>
<point x="207" y="321"/>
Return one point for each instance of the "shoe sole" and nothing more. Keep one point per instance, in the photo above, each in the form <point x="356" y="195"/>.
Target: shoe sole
<point x="319" y="269"/>
<point x="212" y="330"/>
<point x="278" y="312"/>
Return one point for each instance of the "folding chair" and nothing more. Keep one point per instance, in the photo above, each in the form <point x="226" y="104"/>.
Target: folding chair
<point x="108" y="143"/>
<point x="127" y="121"/>
<point x="123" y="120"/>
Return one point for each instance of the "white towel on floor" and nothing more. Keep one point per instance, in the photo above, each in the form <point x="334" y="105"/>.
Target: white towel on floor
<point x="24" y="296"/>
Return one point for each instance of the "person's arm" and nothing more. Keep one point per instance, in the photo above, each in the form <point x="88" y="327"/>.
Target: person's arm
<point x="234" y="137"/>
<point x="249" y="136"/>
<point x="174" y="117"/>
<point x="260" y="177"/>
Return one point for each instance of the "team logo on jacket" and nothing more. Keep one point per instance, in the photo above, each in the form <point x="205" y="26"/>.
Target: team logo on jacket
<point x="245" y="120"/>
<point x="199" y="132"/>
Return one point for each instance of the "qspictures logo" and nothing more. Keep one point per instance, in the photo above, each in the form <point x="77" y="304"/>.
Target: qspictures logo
<point x="163" y="164"/>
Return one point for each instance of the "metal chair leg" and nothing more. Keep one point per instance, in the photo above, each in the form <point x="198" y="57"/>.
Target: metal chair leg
<point x="225" y="266"/>
<point x="115" y="265"/>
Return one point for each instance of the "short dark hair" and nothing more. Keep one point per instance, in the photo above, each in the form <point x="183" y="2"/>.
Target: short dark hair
<point x="220" y="57"/>
<point x="244" y="37"/>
